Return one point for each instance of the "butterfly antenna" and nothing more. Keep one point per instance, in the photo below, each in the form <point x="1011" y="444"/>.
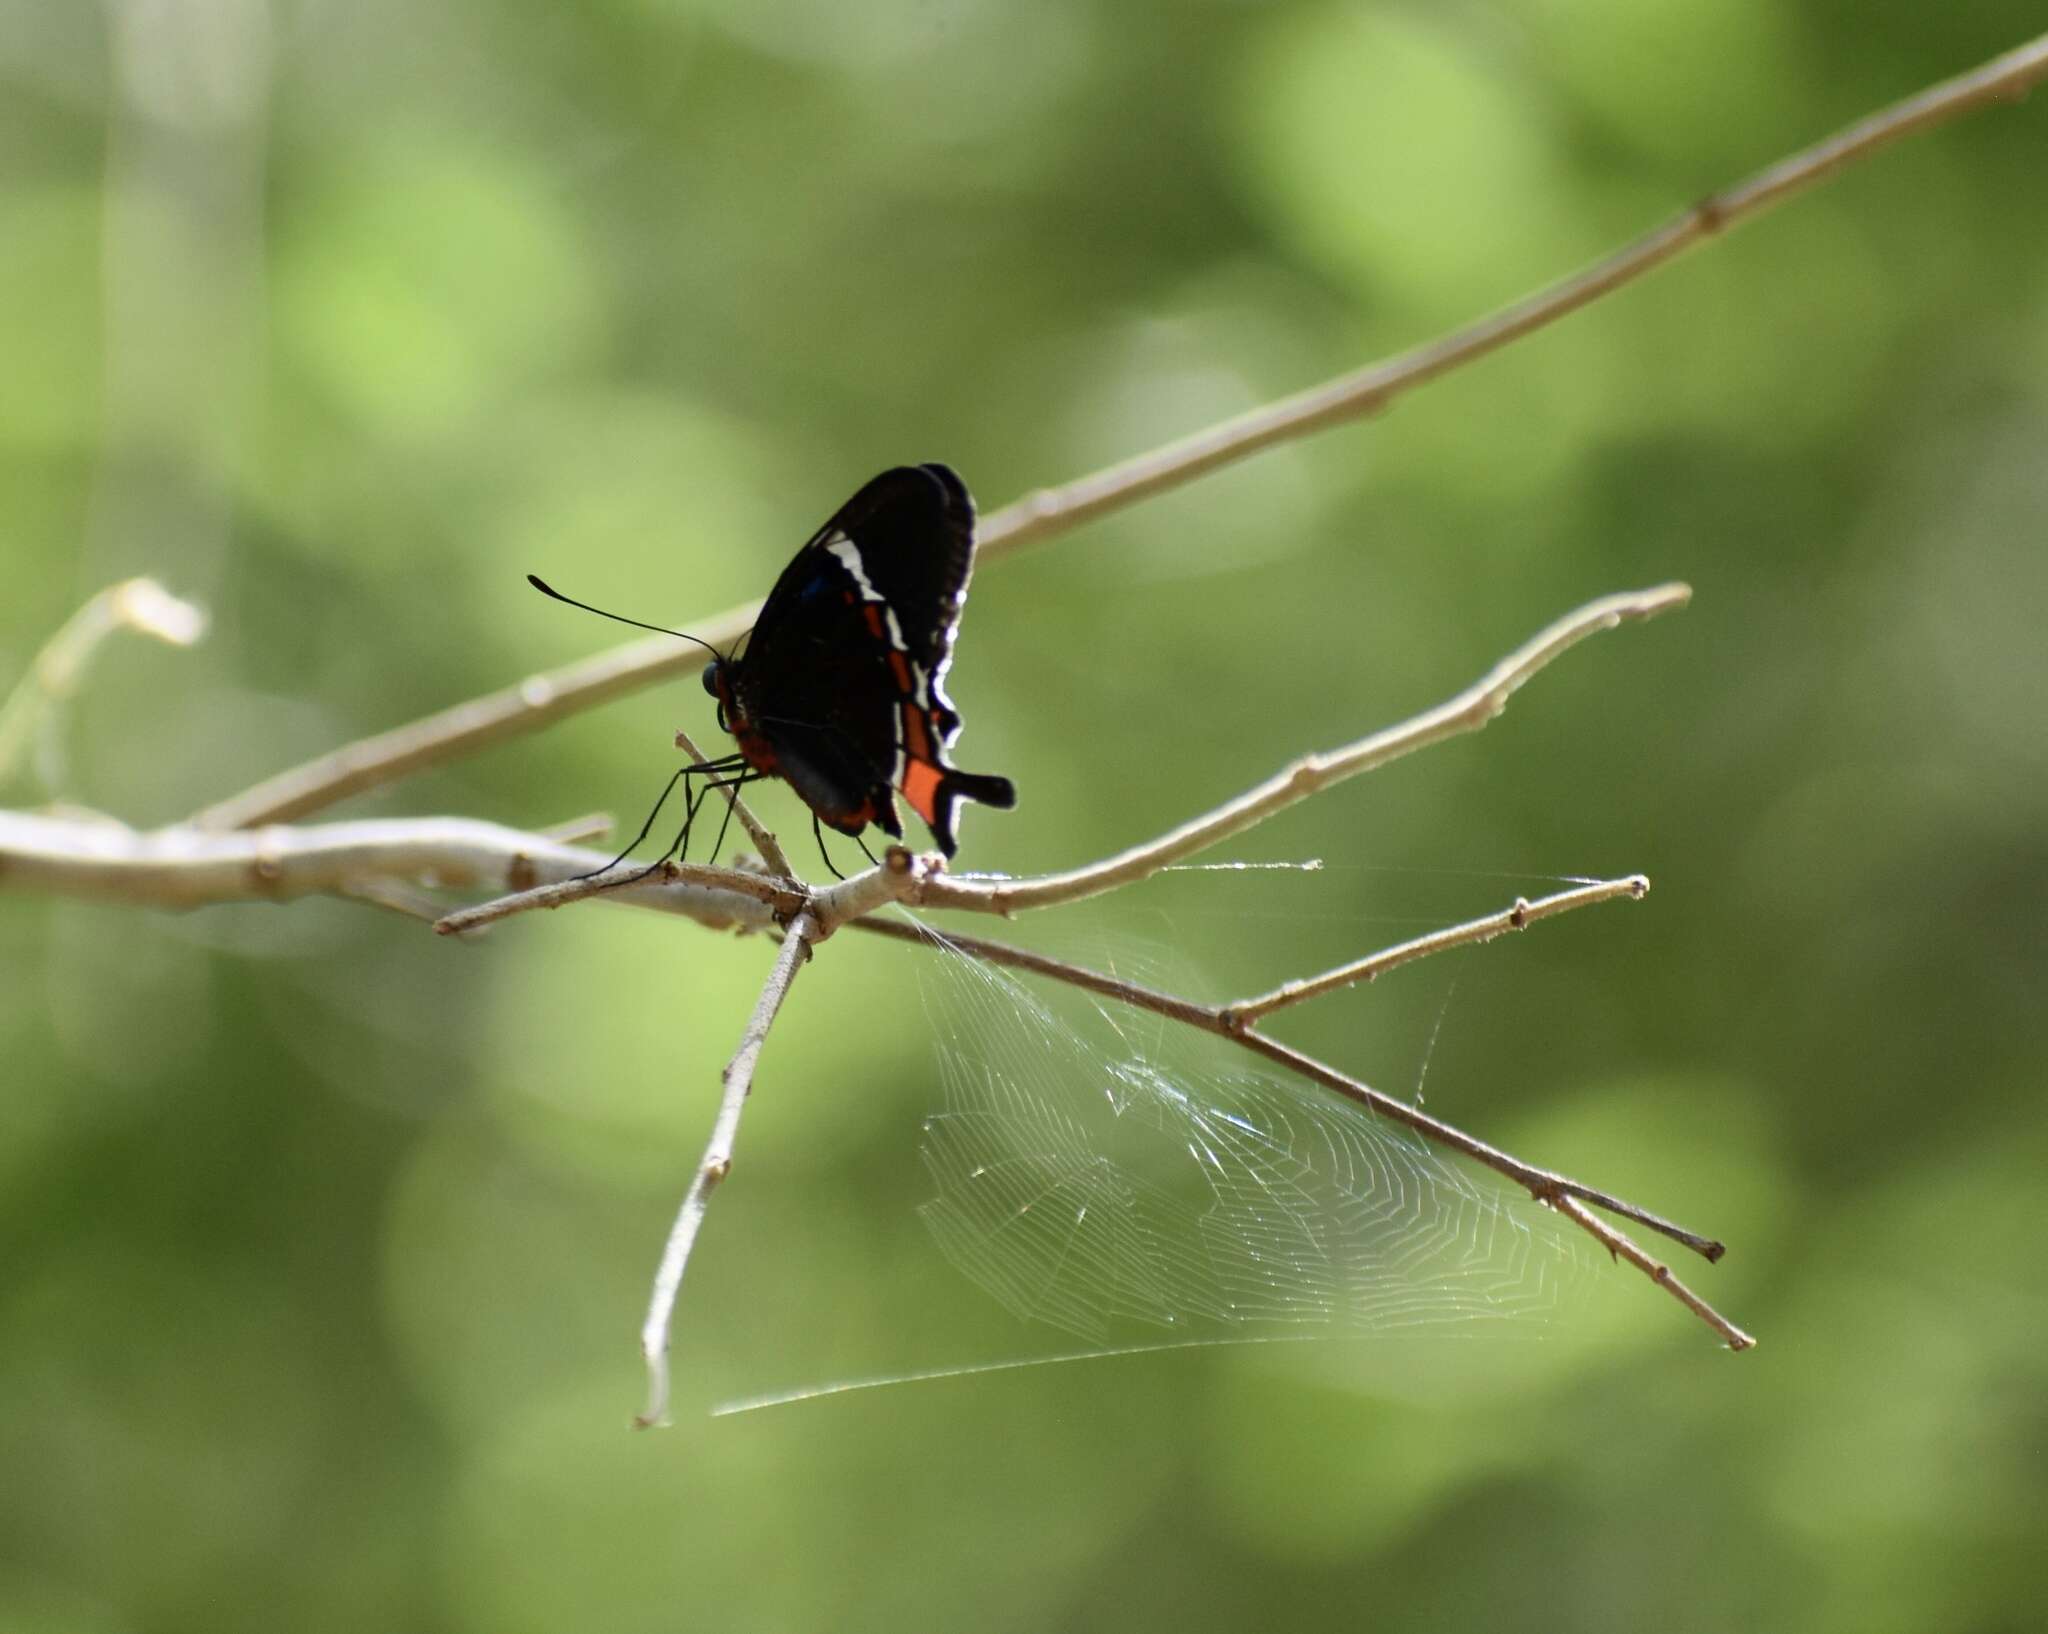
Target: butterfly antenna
<point x="547" y="589"/>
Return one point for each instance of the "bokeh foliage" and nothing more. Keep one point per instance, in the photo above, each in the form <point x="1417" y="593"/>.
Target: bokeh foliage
<point x="324" y="1241"/>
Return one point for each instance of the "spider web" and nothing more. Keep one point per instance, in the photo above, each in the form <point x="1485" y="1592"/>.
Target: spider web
<point x="1095" y="1169"/>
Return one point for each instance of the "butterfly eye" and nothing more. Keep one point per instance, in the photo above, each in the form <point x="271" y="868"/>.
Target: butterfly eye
<point x="714" y="679"/>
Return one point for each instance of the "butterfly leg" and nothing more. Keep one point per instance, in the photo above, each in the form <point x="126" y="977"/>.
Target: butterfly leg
<point x="818" y="829"/>
<point x="680" y="773"/>
<point x="706" y="768"/>
<point x="729" y="783"/>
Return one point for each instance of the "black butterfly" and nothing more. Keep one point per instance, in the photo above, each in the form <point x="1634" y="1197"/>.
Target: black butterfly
<point x="841" y="690"/>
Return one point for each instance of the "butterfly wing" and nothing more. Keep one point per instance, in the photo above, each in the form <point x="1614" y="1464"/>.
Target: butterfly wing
<point x="846" y="666"/>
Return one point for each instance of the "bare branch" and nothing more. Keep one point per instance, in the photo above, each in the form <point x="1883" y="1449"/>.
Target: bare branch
<point x="1522" y="915"/>
<point x="56" y="673"/>
<point x="539" y="700"/>
<point x="1368" y="390"/>
<point x="1621" y="1245"/>
<point x="102" y="860"/>
<point x="715" y="1165"/>
<point x="1546" y="1186"/>
<point x="1467" y="712"/>
<point x="593" y="825"/>
<point x="543" y="699"/>
<point x="777" y="895"/>
<point x="764" y="842"/>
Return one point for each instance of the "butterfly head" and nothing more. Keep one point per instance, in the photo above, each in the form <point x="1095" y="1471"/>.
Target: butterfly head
<point x="718" y="682"/>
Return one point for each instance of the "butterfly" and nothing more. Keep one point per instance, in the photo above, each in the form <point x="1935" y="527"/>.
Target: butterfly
<point x="841" y="689"/>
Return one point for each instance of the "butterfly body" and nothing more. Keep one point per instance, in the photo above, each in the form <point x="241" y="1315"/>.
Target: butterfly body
<point x="841" y="689"/>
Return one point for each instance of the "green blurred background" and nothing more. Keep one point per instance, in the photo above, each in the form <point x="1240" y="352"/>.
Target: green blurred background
<point x="325" y="1241"/>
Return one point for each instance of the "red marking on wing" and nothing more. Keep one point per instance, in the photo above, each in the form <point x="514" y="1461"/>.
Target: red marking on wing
<point x="759" y="752"/>
<point x="917" y="735"/>
<point x="921" y="781"/>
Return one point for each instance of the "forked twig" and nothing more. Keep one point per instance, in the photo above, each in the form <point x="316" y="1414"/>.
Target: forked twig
<point x="1374" y="965"/>
<point x="713" y="1167"/>
<point x="1467" y="712"/>
<point x="1546" y="1186"/>
<point x="765" y="842"/>
<point x="58" y="670"/>
<point x="97" y="859"/>
<point x="556" y="694"/>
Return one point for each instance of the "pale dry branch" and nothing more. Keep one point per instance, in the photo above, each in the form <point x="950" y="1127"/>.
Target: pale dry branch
<point x="1373" y="388"/>
<point x="554" y="695"/>
<point x="592" y="825"/>
<point x="765" y="842"/>
<point x="96" y="859"/>
<point x="1374" y="965"/>
<point x="714" y="1166"/>
<point x="1619" y="1244"/>
<point x="526" y="706"/>
<point x="1467" y="712"/>
<point x="901" y="876"/>
<point x="776" y="895"/>
<point x="56" y="673"/>
<point x="1546" y="1186"/>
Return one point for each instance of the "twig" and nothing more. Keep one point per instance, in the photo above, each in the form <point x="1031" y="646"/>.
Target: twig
<point x="1522" y="915"/>
<point x="774" y="894"/>
<point x="738" y="1079"/>
<point x="1467" y="712"/>
<point x="764" y="842"/>
<point x="1558" y="1191"/>
<point x="1369" y="390"/>
<point x="542" y="699"/>
<point x="592" y="825"/>
<point x="1620" y="1244"/>
<point x="539" y="700"/>
<point x="101" y="860"/>
<point x="56" y="672"/>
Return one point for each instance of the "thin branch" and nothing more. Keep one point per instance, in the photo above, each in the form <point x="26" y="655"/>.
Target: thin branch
<point x="764" y="842"/>
<point x="777" y="895"/>
<point x="593" y="825"/>
<point x="58" y="670"/>
<point x="545" y="698"/>
<point x="1371" y="389"/>
<point x="1522" y="915"/>
<point x="1620" y="1244"/>
<point x="98" y="859"/>
<point x="715" y="1165"/>
<point x="539" y="700"/>
<point x="1467" y="712"/>
<point x="1546" y="1186"/>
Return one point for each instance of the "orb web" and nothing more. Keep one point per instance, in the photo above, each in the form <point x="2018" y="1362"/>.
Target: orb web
<point x="1100" y="1169"/>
